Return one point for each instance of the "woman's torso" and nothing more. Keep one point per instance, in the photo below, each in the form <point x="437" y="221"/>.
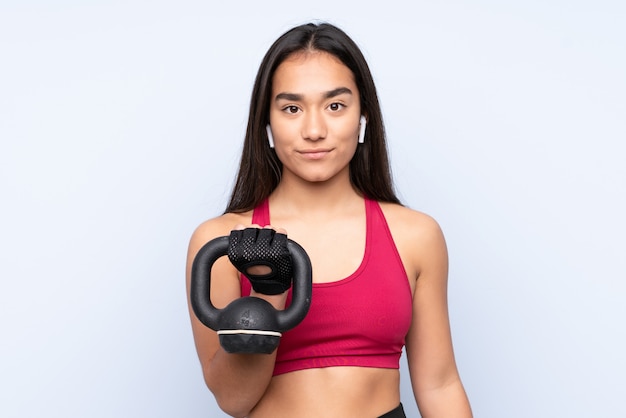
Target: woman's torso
<point x="334" y="391"/>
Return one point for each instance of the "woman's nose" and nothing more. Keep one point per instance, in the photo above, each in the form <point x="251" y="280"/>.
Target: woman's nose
<point x="314" y="126"/>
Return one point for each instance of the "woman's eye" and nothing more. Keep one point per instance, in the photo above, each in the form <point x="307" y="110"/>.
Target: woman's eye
<point x="335" y="106"/>
<point x="292" y="109"/>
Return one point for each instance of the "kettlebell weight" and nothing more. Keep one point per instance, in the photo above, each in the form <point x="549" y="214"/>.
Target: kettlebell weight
<point x="249" y="324"/>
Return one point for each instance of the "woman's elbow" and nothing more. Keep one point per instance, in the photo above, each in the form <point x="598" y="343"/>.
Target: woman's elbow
<point x="234" y="409"/>
<point x="233" y="405"/>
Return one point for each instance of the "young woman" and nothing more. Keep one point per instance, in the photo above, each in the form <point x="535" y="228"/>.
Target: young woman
<point x="314" y="165"/>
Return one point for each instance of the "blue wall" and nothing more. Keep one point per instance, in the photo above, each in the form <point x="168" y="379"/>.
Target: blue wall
<point x="120" y="130"/>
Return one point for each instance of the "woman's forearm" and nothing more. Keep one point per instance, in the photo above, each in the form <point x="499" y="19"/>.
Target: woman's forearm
<point x="446" y="401"/>
<point x="238" y="381"/>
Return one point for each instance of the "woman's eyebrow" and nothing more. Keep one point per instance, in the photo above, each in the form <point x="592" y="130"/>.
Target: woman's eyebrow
<point x="295" y="97"/>
<point x="336" y="92"/>
<point x="292" y="97"/>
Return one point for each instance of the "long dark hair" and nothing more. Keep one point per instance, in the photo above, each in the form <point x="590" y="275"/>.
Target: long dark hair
<point x="260" y="169"/>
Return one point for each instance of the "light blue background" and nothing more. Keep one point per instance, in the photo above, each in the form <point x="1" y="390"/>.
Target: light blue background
<point x="121" y="125"/>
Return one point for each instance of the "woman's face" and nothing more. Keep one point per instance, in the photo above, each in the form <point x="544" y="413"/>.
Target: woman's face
<point x="314" y="116"/>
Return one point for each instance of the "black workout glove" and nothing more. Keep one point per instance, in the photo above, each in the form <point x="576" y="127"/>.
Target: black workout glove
<point x="255" y="246"/>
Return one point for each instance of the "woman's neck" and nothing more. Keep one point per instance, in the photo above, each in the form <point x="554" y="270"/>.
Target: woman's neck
<point x="294" y="195"/>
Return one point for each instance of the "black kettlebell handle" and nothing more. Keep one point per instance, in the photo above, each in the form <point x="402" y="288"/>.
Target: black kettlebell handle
<point x="200" y="291"/>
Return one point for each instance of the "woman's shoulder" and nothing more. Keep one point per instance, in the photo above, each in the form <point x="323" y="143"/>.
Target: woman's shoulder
<point x="418" y="238"/>
<point x="410" y="221"/>
<point x="219" y="226"/>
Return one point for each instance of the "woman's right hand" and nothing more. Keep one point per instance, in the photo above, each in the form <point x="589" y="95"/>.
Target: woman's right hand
<point x="261" y="254"/>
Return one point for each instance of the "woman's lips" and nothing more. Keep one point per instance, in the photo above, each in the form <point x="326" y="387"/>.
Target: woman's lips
<point x="314" y="154"/>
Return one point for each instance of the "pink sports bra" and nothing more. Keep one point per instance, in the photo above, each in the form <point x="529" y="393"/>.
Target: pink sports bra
<point x="361" y="320"/>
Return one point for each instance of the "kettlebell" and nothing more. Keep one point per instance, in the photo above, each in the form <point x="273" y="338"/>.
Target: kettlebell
<point x="249" y="324"/>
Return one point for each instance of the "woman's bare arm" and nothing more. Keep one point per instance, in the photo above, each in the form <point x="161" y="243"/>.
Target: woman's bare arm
<point x="436" y="383"/>
<point x="238" y="381"/>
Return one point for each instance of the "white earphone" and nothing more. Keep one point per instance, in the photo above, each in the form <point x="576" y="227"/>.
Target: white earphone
<point x="363" y="123"/>
<point x="270" y="137"/>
